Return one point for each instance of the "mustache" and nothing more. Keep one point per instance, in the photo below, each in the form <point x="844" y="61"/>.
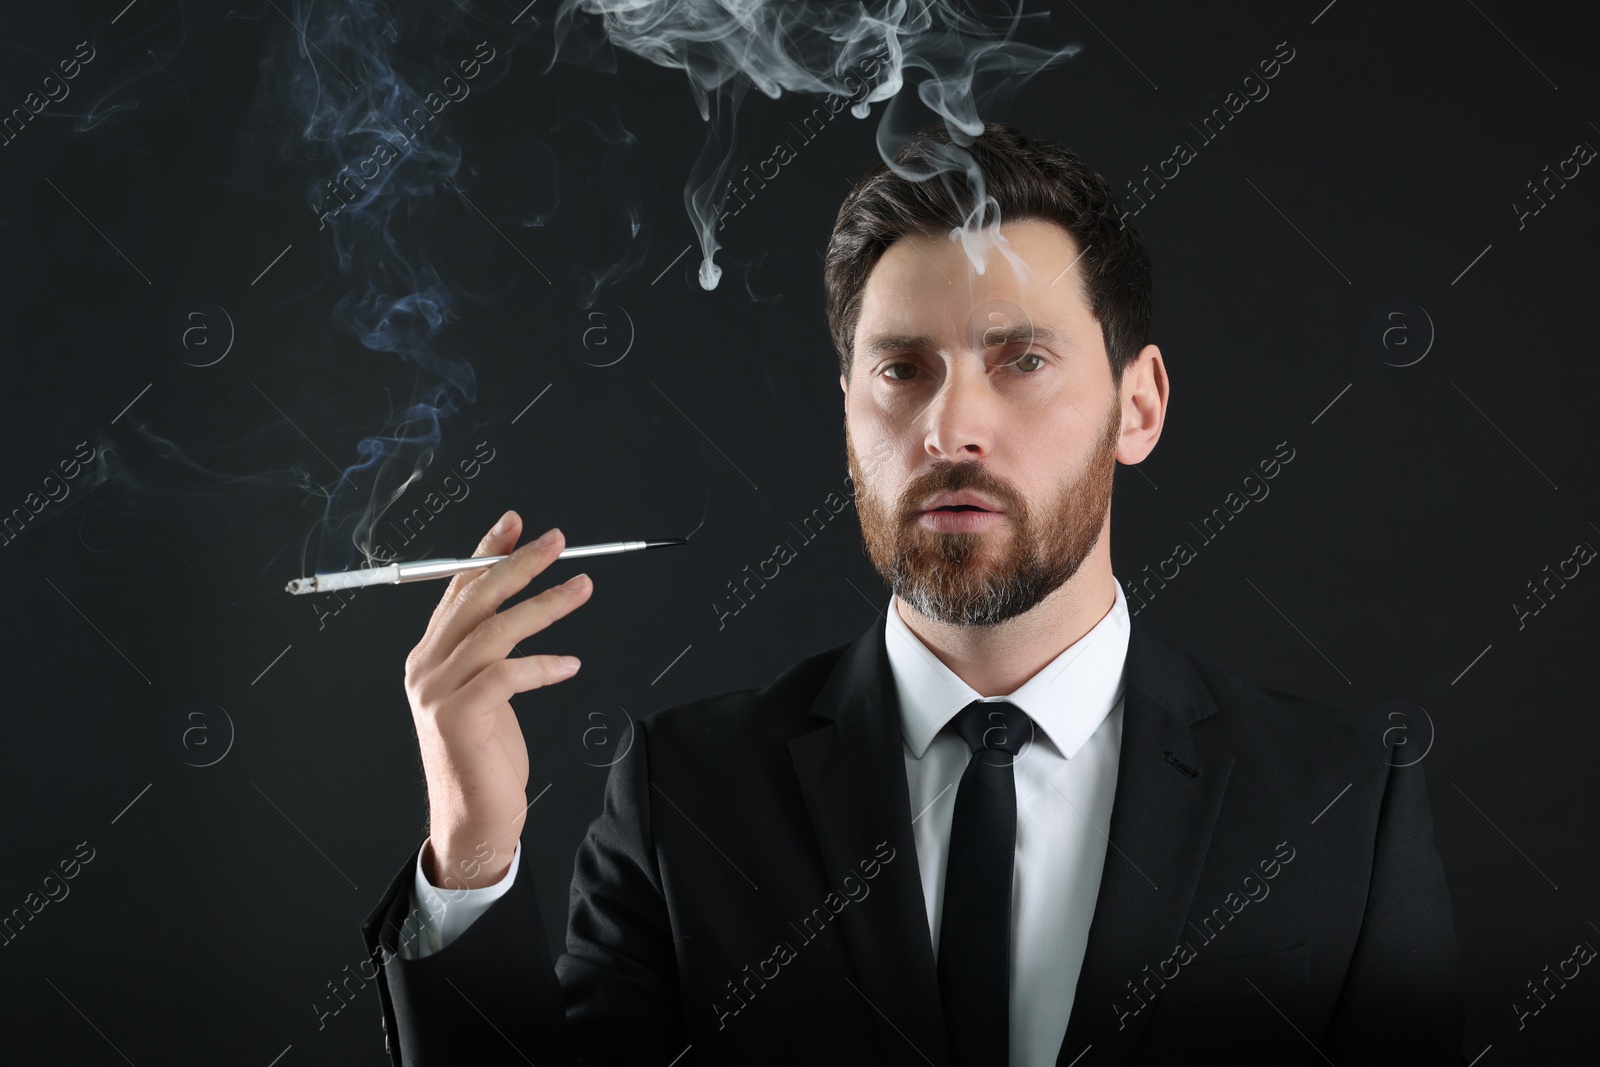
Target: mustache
<point x="953" y="478"/>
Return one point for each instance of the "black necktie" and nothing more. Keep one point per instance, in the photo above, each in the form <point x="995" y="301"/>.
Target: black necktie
<point x="975" y="928"/>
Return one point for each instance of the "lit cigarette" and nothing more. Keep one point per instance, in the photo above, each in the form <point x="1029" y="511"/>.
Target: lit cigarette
<point x="423" y="569"/>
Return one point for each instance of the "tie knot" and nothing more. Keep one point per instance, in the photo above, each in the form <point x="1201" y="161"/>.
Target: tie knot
<point x="994" y="725"/>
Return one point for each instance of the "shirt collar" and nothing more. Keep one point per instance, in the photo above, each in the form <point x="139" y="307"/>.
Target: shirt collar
<point x="1067" y="698"/>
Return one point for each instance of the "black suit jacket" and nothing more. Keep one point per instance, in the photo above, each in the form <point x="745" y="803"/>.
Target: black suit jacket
<point x="749" y="894"/>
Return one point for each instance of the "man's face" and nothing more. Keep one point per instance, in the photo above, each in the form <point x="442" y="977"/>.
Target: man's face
<point x="1029" y="425"/>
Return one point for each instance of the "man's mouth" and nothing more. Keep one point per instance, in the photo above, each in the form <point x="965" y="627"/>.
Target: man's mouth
<point x="960" y="500"/>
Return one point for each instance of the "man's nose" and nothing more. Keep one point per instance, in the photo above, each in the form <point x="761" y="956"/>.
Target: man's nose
<point x="963" y="415"/>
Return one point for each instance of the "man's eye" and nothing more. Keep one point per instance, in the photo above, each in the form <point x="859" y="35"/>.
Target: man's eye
<point x="1027" y="356"/>
<point x="887" y="370"/>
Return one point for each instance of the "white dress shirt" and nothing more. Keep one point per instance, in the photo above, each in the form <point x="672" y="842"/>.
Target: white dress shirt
<point x="1065" y="779"/>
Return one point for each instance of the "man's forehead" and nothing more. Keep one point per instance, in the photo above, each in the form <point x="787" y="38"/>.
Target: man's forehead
<point x="1033" y="268"/>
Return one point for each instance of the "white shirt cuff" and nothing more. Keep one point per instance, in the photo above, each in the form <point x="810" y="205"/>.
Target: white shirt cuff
<point x="447" y="912"/>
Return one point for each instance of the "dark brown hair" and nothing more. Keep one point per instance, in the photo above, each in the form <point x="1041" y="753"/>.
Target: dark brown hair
<point x="1029" y="179"/>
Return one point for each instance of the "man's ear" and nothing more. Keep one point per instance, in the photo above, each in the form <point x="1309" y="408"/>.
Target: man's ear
<point x="842" y="387"/>
<point x="1145" y="390"/>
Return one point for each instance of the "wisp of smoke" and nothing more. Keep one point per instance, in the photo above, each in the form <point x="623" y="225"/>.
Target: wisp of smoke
<point x="347" y="81"/>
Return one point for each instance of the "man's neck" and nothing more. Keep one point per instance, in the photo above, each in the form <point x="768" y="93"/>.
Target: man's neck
<point x="997" y="660"/>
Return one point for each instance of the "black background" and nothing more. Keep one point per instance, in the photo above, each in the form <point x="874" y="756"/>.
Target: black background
<point x="1384" y="565"/>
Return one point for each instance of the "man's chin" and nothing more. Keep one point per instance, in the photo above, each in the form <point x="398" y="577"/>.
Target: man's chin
<point x="950" y="582"/>
<point x="926" y="537"/>
<point x="971" y="553"/>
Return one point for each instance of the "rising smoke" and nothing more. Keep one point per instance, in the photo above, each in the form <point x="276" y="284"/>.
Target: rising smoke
<point x="374" y="121"/>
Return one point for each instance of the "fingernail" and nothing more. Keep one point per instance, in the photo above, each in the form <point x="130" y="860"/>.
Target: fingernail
<point x="575" y="581"/>
<point x="548" y="536"/>
<point x="570" y="662"/>
<point x="500" y="527"/>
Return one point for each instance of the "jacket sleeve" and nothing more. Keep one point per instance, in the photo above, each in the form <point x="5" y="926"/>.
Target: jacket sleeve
<point x="1401" y="1000"/>
<point x="491" y="995"/>
<point x="447" y="912"/>
<point x="620" y="972"/>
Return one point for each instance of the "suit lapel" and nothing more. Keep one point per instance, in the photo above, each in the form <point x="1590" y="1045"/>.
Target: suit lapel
<point x="1161" y="821"/>
<point x="851" y="771"/>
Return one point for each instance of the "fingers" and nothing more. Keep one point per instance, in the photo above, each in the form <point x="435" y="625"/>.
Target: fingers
<point x="480" y="596"/>
<point x="498" y="634"/>
<point x="480" y="599"/>
<point x="499" y="681"/>
<point x="497" y="542"/>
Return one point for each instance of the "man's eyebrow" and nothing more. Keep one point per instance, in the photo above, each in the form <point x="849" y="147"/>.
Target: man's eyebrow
<point x="993" y="337"/>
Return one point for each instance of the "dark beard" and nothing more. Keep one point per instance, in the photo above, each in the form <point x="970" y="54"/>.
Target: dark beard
<point x="943" y="576"/>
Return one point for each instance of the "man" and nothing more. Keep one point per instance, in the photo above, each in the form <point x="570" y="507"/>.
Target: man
<point x="1007" y="825"/>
